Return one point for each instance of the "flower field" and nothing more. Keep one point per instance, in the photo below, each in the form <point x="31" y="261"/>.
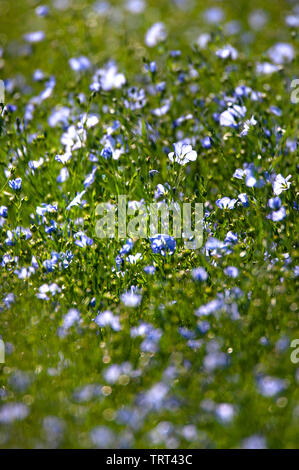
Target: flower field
<point x="126" y="335"/>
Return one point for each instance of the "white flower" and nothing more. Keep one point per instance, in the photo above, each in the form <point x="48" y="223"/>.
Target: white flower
<point x="73" y="138"/>
<point x="107" y="78"/>
<point x="228" y="118"/>
<point x="281" y="184"/>
<point x="247" y="125"/>
<point x="279" y="215"/>
<point x="134" y="258"/>
<point x="108" y="319"/>
<point x="76" y="201"/>
<point x="131" y="298"/>
<point x="182" y="154"/>
<point x="155" y="34"/>
<point x="203" y="40"/>
<point x="226" y="52"/>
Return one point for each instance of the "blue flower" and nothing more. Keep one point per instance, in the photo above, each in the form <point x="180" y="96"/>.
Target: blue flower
<point x="106" y="152"/>
<point x="275" y="110"/>
<point x="231" y="237"/>
<point x="203" y="326"/>
<point x="3" y="211"/>
<point x="35" y="36"/>
<point x="247" y="125"/>
<point x="70" y="319"/>
<point x="79" y="64"/>
<point x="274" y="203"/>
<point x="164" y="108"/>
<point x="127" y="247"/>
<point x="49" y="265"/>
<point x="244" y="199"/>
<point x="66" y="258"/>
<point x="134" y="6"/>
<point x="108" y="319"/>
<point x="279" y="215"/>
<point x="9" y="299"/>
<point x="137" y="98"/>
<point x="225" y="412"/>
<point x="163" y="244"/>
<point x="24" y="273"/>
<point x="206" y="142"/>
<point x="52" y="227"/>
<point x="175" y="53"/>
<point x="213" y="244"/>
<point x="82" y="240"/>
<point x="255" y="441"/>
<point x="149" y="269"/>
<point x="11" y="108"/>
<point x="44" y="289"/>
<point x="231" y="271"/>
<point x="151" y="67"/>
<point x="270" y="386"/>
<point x="160" y="87"/>
<point x="34" y="164"/>
<point x="199" y="274"/>
<point x="291" y="145"/>
<point x="63" y="158"/>
<point x="90" y="178"/>
<point x="42" y="10"/>
<point x="239" y="173"/>
<point x="11" y="412"/>
<point x="119" y="261"/>
<point x="44" y="209"/>
<point x="102" y="436"/>
<point x="209" y="308"/>
<point x="266" y="68"/>
<point x="213" y="15"/>
<point x="281" y="52"/>
<point x="12" y="236"/>
<point x="160" y="191"/>
<point x="63" y="175"/>
<point x="15" y="184"/>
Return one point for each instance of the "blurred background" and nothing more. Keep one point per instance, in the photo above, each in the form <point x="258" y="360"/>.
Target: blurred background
<point x="103" y="29"/>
